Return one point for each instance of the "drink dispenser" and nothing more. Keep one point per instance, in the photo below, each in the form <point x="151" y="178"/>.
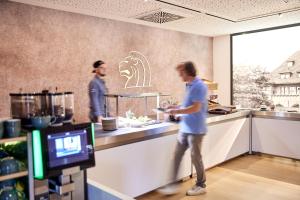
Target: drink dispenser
<point x="57" y="107"/>
<point x="24" y="106"/>
<point x="69" y="106"/>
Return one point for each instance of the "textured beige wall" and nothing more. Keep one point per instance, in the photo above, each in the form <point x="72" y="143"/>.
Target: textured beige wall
<point x="42" y="48"/>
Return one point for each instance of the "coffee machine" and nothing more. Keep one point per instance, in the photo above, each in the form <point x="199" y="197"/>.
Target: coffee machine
<point x="60" y="156"/>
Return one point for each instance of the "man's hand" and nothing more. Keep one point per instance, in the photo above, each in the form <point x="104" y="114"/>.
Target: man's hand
<point x="173" y="107"/>
<point x="172" y="111"/>
<point x="99" y="119"/>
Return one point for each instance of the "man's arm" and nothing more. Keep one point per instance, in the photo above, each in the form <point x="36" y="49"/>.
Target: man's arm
<point x="195" y="107"/>
<point x="198" y="97"/>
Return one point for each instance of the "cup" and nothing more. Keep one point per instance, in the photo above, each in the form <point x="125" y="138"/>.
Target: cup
<point x="109" y="123"/>
<point x="9" y="165"/>
<point x="12" y="128"/>
<point x="3" y="154"/>
<point x="40" y="122"/>
<point x="10" y="193"/>
<point x="7" y="183"/>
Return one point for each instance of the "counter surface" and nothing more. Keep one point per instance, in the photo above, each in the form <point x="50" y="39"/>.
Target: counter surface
<point x="293" y="116"/>
<point x="123" y="136"/>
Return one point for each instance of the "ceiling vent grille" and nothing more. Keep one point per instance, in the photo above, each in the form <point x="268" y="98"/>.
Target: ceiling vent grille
<point x="160" y="17"/>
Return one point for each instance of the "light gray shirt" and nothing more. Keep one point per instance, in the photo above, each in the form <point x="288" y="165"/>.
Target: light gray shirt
<point x="97" y="90"/>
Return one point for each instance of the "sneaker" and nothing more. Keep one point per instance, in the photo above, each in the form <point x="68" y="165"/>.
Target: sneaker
<point x="169" y="189"/>
<point x="196" y="190"/>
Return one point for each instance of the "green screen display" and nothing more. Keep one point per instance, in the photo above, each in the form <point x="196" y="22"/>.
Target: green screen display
<point x="38" y="168"/>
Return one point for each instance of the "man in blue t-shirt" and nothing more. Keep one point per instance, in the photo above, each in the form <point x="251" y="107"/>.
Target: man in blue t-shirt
<point x="192" y="127"/>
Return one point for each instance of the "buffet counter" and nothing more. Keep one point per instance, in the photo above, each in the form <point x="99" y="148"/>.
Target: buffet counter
<point x="276" y="133"/>
<point x="123" y="136"/>
<point x="134" y="161"/>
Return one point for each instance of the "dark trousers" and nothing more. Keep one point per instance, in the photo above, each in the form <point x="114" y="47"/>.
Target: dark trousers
<point x="93" y="119"/>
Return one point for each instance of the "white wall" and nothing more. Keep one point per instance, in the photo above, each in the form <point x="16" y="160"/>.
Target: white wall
<point x="221" y="68"/>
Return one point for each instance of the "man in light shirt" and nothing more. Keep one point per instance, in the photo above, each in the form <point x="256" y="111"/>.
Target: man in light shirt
<point x="192" y="128"/>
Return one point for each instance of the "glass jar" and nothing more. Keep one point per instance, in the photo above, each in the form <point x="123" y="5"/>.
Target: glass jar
<point x="24" y="106"/>
<point x="57" y="106"/>
<point x="69" y="106"/>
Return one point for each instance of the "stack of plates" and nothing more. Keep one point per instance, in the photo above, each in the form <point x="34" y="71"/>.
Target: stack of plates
<point x="109" y="124"/>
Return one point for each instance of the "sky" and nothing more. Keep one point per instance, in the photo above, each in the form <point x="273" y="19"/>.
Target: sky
<point x="268" y="49"/>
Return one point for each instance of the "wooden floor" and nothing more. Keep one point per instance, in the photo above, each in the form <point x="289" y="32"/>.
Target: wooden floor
<point x="250" y="177"/>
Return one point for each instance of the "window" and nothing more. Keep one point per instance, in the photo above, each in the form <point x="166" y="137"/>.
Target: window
<point x="278" y="90"/>
<point x="256" y="70"/>
<point x="290" y="63"/>
<point x="285" y="75"/>
<point x="287" y="91"/>
<point x="282" y="91"/>
<point x="292" y="90"/>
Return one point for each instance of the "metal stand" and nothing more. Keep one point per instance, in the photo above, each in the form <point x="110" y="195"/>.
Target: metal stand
<point x="250" y="133"/>
<point x="62" y="187"/>
<point x="30" y="166"/>
<point x="143" y="95"/>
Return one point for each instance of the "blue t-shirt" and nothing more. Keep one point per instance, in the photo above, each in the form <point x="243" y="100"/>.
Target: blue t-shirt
<point x="195" y="123"/>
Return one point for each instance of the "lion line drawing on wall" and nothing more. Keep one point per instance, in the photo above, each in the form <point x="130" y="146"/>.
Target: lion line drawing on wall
<point x="135" y="67"/>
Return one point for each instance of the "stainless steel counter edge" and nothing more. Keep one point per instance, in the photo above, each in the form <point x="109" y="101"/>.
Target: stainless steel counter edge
<point x="292" y="116"/>
<point x="105" y="140"/>
<point x="118" y="138"/>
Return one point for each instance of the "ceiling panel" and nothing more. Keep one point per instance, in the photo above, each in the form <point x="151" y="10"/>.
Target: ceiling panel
<point x="239" y="9"/>
<point x="202" y="17"/>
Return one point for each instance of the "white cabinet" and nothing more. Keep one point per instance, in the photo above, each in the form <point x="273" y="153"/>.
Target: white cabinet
<point x="137" y="168"/>
<point x="225" y="140"/>
<point x="140" y="167"/>
<point x="276" y="137"/>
